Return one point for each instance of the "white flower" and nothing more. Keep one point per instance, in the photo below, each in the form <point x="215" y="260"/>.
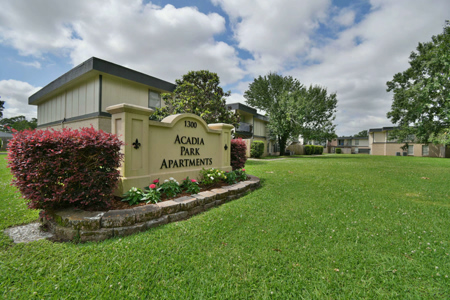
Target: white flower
<point x="171" y="178"/>
<point x="166" y="180"/>
<point x="212" y="178"/>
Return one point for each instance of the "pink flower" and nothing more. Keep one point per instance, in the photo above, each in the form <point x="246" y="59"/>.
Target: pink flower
<point x="156" y="181"/>
<point x="152" y="186"/>
<point x="193" y="180"/>
<point x="243" y="170"/>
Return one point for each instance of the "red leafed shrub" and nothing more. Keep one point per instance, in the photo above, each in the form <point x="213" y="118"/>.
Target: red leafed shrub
<point x="238" y="158"/>
<point x="54" y="169"/>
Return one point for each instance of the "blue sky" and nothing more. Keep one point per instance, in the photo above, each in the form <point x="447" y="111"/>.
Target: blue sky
<point x="350" y="47"/>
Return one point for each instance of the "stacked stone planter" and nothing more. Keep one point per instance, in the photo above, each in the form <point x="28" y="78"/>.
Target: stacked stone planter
<point x="84" y="226"/>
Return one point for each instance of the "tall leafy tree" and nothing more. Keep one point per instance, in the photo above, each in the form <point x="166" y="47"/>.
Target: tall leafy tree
<point x="293" y="109"/>
<point x="362" y="133"/>
<point x="421" y="102"/>
<point x="198" y="92"/>
<point x="2" y="107"/>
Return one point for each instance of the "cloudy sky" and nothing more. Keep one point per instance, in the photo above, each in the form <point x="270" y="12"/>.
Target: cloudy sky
<point x="350" y="47"/>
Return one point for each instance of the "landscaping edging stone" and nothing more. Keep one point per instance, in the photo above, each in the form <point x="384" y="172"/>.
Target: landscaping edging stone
<point x="84" y="226"/>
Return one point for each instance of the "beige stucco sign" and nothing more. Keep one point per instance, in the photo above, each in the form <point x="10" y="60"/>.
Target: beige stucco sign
<point x="178" y="146"/>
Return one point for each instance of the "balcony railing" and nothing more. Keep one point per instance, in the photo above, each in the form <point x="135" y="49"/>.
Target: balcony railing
<point x="244" y="127"/>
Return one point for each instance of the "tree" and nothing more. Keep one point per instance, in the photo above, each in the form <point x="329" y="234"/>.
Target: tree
<point x="2" y="107"/>
<point x="199" y="93"/>
<point x="292" y="108"/>
<point x="421" y="102"/>
<point x="18" y="123"/>
<point x="362" y="133"/>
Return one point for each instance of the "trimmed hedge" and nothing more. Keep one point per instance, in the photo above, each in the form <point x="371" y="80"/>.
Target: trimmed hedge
<point x="338" y="151"/>
<point x="318" y="149"/>
<point x="308" y="149"/>
<point x="238" y="154"/>
<point x="313" y="149"/>
<point x="257" y="149"/>
<point x="54" y="169"/>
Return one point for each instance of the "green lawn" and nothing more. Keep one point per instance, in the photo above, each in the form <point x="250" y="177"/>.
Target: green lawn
<point x="331" y="227"/>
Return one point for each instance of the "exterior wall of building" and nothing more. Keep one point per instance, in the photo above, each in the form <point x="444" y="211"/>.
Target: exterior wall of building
<point x="79" y="100"/>
<point x="99" y="123"/>
<point x="361" y="142"/>
<point x="379" y="137"/>
<point x="117" y="90"/>
<point x="259" y="128"/>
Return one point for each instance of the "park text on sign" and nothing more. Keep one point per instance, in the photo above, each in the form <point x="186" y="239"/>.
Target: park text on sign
<point x="188" y="147"/>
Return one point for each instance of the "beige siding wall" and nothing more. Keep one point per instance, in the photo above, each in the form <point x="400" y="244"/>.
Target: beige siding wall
<point x="362" y="143"/>
<point x="116" y="91"/>
<point x="379" y="137"/>
<point x="259" y="128"/>
<point x="77" y="101"/>
<point x="103" y="123"/>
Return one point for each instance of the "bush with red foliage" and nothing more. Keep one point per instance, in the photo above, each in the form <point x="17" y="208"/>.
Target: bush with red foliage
<point x="54" y="169"/>
<point x="238" y="157"/>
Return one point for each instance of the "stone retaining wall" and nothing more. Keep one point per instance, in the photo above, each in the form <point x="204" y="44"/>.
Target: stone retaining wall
<point x="84" y="226"/>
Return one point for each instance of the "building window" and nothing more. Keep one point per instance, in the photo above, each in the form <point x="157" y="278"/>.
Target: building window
<point x="425" y="150"/>
<point x="154" y="100"/>
<point x="341" y="143"/>
<point x="410" y="149"/>
<point x="356" y="142"/>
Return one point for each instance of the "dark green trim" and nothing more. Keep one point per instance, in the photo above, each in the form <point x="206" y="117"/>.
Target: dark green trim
<point x="103" y="66"/>
<point x="260" y="136"/>
<point x="86" y="116"/>
<point x="100" y="84"/>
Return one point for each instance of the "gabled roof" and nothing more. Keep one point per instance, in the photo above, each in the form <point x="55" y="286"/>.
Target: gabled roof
<point x="103" y="66"/>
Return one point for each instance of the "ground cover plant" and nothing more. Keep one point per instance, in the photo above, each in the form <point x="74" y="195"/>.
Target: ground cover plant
<point x="321" y="227"/>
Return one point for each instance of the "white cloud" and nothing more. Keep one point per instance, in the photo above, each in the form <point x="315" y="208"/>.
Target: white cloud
<point x="346" y="17"/>
<point x="15" y="94"/>
<point x="34" y="64"/>
<point x="165" y="42"/>
<point x="274" y="32"/>
<point x="364" y="57"/>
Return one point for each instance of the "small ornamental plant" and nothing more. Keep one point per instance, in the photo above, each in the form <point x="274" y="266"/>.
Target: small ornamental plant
<point x="231" y="177"/>
<point x="170" y="187"/>
<point x="152" y="195"/>
<point x="133" y="196"/>
<point x="190" y="186"/>
<point x="241" y="175"/>
<point x="211" y="176"/>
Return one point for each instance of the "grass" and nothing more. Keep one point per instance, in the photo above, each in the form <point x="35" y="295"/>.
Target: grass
<point x="331" y="227"/>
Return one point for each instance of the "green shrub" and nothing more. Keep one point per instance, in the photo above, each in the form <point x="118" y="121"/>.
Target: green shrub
<point x="338" y="150"/>
<point x="318" y="149"/>
<point x="257" y="149"/>
<point x="308" y="149"/>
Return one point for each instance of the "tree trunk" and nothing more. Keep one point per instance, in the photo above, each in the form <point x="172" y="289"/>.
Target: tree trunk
<point x="282" y="141"/>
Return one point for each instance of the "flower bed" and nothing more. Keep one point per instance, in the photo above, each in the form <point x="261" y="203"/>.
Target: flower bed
<point x="82" y="226"/>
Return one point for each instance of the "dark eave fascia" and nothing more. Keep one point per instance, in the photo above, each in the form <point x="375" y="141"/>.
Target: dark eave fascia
<point x="261" y="117"/>
<point x="103" y="66"/>
<point x="240" y="106"/>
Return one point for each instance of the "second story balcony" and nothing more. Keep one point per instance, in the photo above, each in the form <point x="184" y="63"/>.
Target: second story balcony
<point x="244" y="127"/>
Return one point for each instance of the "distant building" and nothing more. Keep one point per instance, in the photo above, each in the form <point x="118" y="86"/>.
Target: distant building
<point x="79" y="98"/>
<point x="382" y="143"/>
<point x="252" y="127"/>
<point x="351" y="145"/>
<point x="5" y="137"/>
